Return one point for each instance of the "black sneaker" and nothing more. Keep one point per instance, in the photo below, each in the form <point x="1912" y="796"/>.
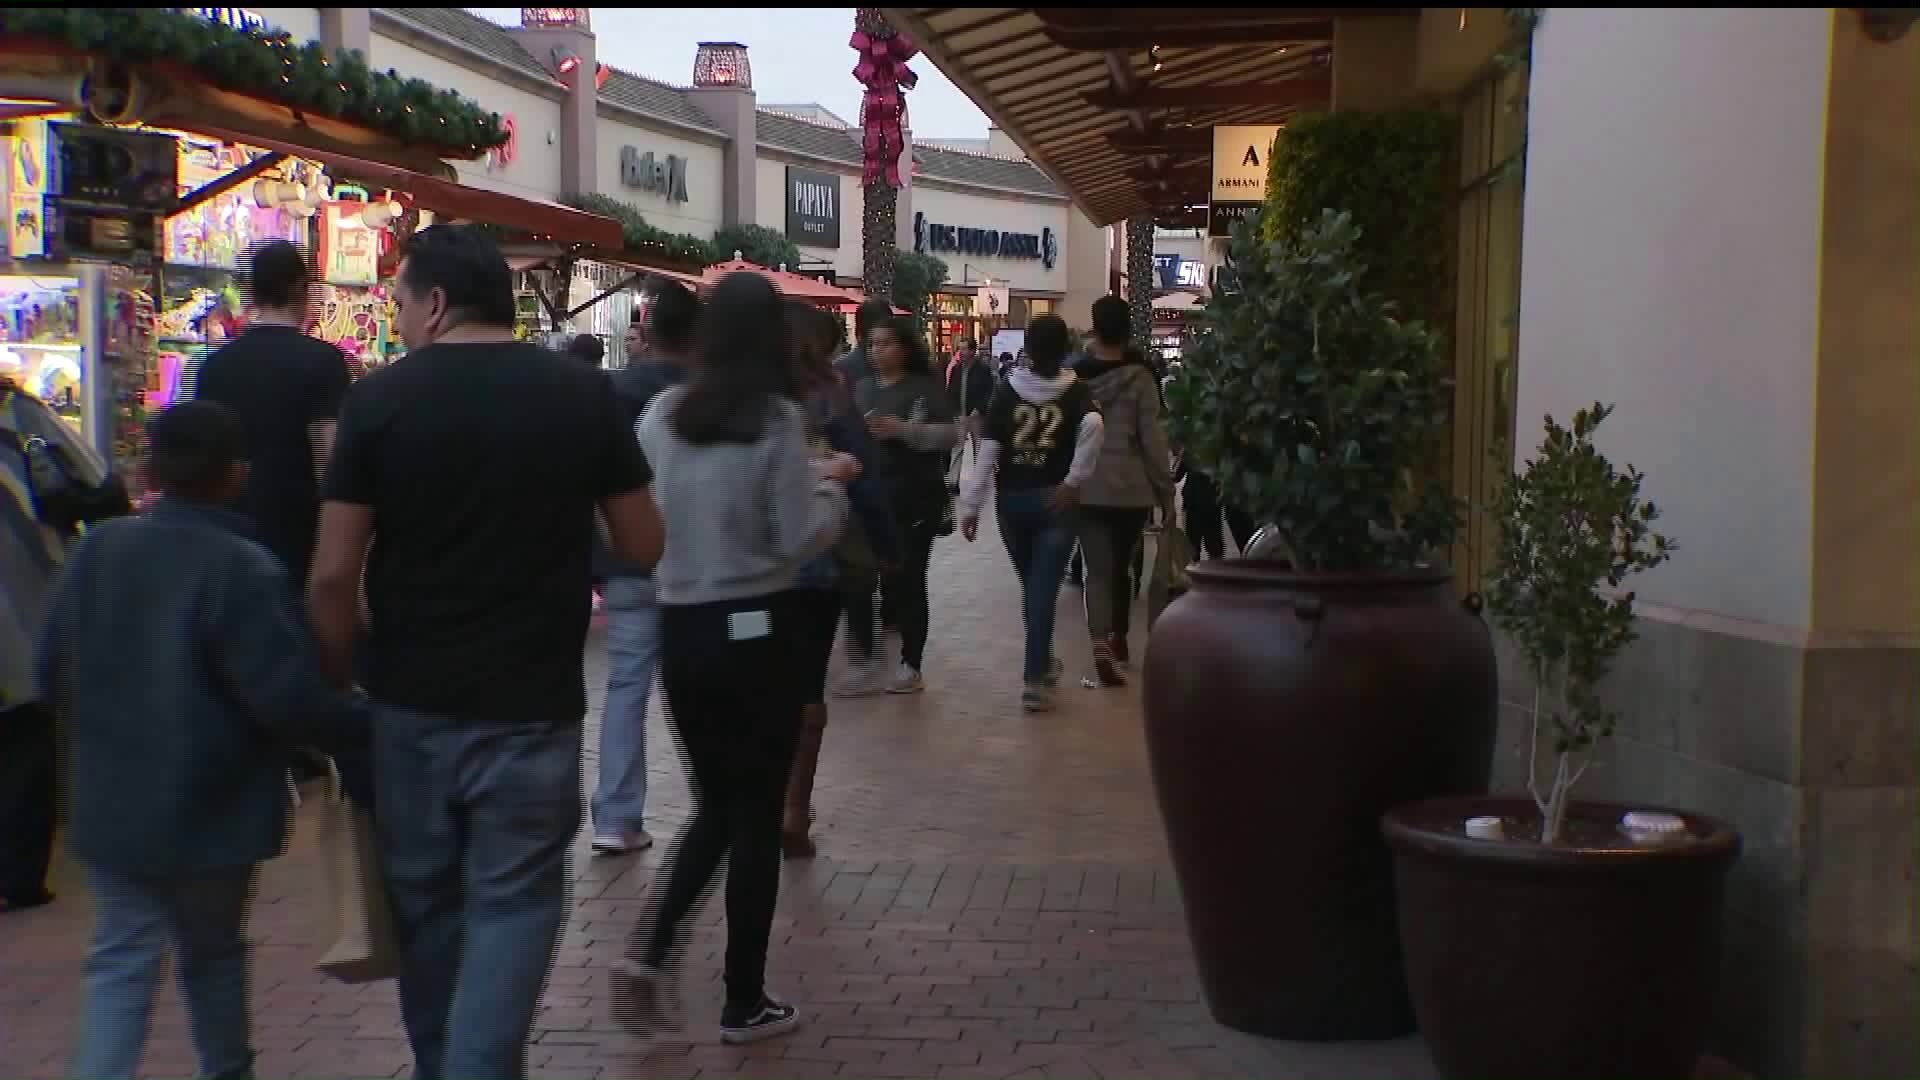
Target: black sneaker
<point x="763" y="1021"/>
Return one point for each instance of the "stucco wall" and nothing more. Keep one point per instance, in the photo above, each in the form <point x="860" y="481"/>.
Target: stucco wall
<point x="700" y="214"/>
<point x="1672" y="261"/>
<point x="535" y="172"/>
<point x="1684" y="261"/>
<point x="302" y="23"/>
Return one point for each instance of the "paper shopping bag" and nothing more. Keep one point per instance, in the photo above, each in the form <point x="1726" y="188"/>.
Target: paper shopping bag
<point x="1171" y="556"/>
<point x="360" y="924"/>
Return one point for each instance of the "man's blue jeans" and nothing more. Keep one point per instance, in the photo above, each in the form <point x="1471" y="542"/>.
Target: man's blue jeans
<point x="136" y="917"/>
<point x="1039" y="541"/>
<point x="475" y="824"/>
<point x="633" y="657"/>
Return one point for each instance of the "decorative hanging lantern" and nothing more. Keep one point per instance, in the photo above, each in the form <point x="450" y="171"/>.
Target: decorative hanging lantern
<point x="722" y="63"/>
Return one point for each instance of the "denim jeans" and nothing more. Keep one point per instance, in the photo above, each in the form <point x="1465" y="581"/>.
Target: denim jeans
<point x="136" y="917"/>
<point x="475" y="824"/>
<point x="633" y="656"/>
<point x="1039" y="542"/>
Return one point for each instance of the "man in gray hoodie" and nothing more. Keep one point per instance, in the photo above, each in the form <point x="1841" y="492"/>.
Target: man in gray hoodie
<point x="1134" y="476"/>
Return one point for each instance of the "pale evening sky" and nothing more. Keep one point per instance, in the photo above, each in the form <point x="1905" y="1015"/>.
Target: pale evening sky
<point x="799" y="56"/>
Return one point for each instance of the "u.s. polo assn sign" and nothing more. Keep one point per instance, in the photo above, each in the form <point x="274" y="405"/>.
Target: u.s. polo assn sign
<point x="929" y="238"/>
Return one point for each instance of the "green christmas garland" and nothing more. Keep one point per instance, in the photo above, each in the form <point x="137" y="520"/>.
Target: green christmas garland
<point x="644" y="238"/>
<point x="272" y="67"/>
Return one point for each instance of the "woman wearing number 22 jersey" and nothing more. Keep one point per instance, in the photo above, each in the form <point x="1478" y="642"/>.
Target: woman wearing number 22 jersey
<point x="1041" y="439"/>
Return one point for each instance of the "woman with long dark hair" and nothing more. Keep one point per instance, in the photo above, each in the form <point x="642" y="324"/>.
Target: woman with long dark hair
<point x="745" y="506"/>
<point x="869" y="541"/>
<point x="1040" y="441"/>
<point x="908" y="411"/>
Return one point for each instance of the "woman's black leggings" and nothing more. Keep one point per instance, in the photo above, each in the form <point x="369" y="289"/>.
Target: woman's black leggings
<point x="905" y="593"/>
<point x="731" y="674"/>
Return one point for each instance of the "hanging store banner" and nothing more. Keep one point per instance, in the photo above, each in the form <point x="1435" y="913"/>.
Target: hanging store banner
<point x="813" y="207"/>
<point x="1240" y="153"/>
<point x="992" y="302"/>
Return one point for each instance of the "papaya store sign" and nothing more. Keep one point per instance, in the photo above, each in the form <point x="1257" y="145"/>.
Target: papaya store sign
<point x="935" y="239"/>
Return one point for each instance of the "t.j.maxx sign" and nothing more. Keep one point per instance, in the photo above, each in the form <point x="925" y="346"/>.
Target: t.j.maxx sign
<point x="664" y="175"/>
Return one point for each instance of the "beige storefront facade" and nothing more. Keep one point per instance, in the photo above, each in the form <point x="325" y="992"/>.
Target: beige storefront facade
<point x="727" y="160"/>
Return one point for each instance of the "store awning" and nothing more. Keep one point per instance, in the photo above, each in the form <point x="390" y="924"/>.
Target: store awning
<point x="541" y="219"/>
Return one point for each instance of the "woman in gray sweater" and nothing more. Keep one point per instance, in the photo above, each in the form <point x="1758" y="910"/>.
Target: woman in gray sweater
<point x="745" y="506"/>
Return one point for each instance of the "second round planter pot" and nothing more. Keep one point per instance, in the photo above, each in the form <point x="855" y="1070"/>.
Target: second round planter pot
<point x="1595" y="959"/>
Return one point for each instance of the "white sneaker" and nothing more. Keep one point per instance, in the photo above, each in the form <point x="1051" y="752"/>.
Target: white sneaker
<point x="643" y="999"/>
<point x="622" y="843"/>
<point x="906" y="681"/>
<point x="861" y="684"/>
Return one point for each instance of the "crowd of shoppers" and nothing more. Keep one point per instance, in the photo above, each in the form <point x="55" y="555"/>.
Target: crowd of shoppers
<point x="393" y="571"/>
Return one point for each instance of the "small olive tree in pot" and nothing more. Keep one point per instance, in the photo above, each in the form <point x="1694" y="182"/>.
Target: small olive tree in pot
<point x="1504" y="878"/>
<point x="1572" y="529"/>
<point x="1291" y="700"/>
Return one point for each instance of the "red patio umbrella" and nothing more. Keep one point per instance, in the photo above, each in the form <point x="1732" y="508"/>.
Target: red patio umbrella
<point x="792" y="286"/>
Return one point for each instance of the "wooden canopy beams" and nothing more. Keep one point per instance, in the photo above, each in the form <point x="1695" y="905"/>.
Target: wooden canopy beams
<point x="1163" y="140"/>
<point x="1196" y="36"/>
<point x="1301" y="92"/>
<point x="1140" y="28"/>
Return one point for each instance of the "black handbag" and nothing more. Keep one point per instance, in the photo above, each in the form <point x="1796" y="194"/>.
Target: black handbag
<point x="60" y="500"/>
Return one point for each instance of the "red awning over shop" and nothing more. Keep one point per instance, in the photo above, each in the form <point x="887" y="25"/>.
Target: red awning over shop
<point x="544" y="220"/>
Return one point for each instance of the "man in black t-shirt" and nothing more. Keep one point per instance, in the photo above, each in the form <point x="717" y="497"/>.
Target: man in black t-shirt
<point x="465" y="481"/>
<point x="286" y="388"/>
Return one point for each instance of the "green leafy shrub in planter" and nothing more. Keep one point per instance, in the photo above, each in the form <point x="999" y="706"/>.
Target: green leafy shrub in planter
<point x="1394" y="172"/>
<point x="1572" y="529"/>
<point x="1313" y="405"/>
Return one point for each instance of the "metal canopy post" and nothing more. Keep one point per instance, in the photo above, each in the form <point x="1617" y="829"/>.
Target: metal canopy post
<point x="215" y="188"/>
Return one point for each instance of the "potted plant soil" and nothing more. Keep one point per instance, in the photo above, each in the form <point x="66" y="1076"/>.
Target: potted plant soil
<point x="1547" y="937"/>
<point x="1292" y="698"/>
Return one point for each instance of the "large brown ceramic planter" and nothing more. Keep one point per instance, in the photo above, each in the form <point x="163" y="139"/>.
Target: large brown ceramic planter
<point x="1285" y="713"/>
<point x="1591" y="960"/>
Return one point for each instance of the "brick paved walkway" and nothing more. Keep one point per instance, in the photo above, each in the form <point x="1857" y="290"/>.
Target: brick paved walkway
<point x="992" y="900"/>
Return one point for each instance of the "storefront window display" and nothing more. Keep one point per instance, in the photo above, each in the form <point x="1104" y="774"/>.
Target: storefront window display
<point x="200" y="311"/>
<point x="40" y="343"/>
<point x="955" y="318"/>
<point x="355" y="304"/>
<point x="216" y="233"/>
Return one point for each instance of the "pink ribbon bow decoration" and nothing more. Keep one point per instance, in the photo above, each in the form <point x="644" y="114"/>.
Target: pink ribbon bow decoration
<point x="884" y="72"/>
